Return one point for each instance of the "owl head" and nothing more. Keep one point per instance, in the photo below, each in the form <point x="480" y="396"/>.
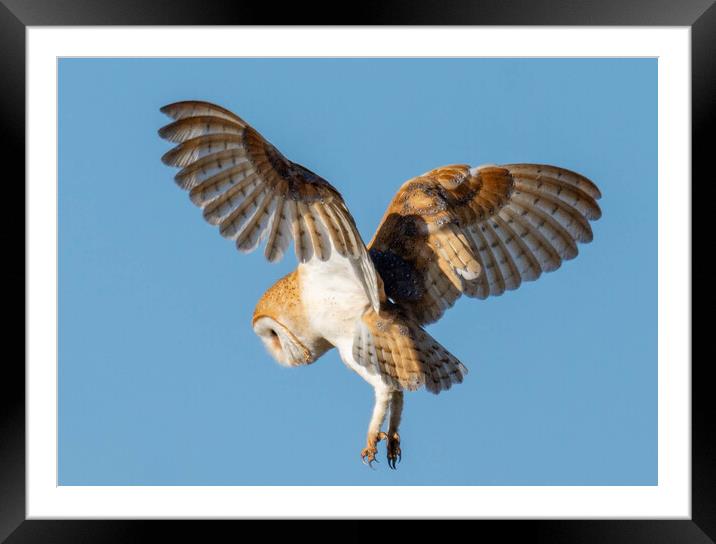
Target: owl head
<point x="280" y="321"/>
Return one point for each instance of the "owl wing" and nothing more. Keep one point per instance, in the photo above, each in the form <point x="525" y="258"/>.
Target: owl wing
<point x="479" y="232"/>
<point x="246" y="187"/>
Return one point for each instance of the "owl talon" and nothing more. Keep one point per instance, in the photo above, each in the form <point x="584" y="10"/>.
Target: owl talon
<point x="368" y="456"/>
<point x="395" y="455"/>
<point x="369" y="452"/>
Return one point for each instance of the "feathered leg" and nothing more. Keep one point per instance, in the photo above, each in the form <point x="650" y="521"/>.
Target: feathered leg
<point x="393" y="438"/>
<point x="382" y="400"/>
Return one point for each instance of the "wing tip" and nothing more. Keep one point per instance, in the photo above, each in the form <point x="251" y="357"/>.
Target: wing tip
<point x="165" y="132"/>
<point x="592" y="188"/>
<point x="167" y="108"/>
<point x="168" y="157"/>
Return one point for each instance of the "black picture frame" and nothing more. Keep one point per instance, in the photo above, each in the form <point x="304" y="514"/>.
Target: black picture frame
<point x="16" y="15"/>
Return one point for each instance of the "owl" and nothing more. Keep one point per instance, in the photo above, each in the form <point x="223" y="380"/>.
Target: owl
<point x="455" y="230"/>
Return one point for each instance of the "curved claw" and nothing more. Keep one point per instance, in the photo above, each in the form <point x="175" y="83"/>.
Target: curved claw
<point x="393" y="461"/>
<point x="368" y="456"/>
<point x="395" y="455"/>
<point x="370" y="461"/>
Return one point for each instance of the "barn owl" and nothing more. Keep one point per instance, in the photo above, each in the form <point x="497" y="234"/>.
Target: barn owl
<point x="455" y="230"/>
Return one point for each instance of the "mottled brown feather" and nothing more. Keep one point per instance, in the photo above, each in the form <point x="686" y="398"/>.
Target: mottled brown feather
<point x="398" y="349"/>
<point x="479" y="231"/>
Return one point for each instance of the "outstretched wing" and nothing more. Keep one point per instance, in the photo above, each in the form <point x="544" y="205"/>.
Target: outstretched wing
<point x="479" y="232"/>
<point x="246" y="187"/>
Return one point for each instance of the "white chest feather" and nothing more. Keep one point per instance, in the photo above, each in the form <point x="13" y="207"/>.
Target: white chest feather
<point x="335" y="300"/>
<point x="333" y="297"/>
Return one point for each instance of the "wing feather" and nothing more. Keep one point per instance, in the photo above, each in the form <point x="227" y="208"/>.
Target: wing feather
<point x="196" y="173"/>
<point x="217" y="185"/>
<point x="250" y="235"/>
<point x="555" y="233"/>
<point x="234" y="214"/>
<point x="205" y="148"/>
<point x="562" y="175"/>
<point x="548" y="257"/>
<point x="479" y="231"/>
<point x="527" y="264"/>
<point x="252" y="192"/>
<point x="349" y="235"/>
<point x="571" y="220"/>
<point x="197" y="108"/>
<point x="492" y="267"/>
<point x="315" y="234"/>
<point x="508" y="269"/>
<point x="278" y="226"/>
<point x="188" y="128"/>
<point x="335" y="231"/>
<point x="218" y="210"/>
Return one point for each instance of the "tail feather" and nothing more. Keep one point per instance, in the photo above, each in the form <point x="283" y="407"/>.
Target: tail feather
<point x="403" y="353"/>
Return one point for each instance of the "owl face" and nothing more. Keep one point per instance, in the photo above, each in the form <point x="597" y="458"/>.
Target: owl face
<point x="281" y="324"/>
<point x="281" y="343"/>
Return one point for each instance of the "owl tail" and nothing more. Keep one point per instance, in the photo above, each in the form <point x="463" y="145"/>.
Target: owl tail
<point x="403" y="354"/>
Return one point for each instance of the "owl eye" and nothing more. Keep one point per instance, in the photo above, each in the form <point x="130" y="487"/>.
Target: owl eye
<point x="281" y="343"/>
<point x="275" y="340"/>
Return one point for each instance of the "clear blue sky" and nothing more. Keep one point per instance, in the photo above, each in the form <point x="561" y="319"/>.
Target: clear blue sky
<point x="162" y="380"/>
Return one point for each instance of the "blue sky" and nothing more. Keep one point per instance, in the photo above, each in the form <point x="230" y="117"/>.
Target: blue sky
<point x="161" y="378"/>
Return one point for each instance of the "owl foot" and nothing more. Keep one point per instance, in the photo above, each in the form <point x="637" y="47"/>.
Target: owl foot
<point x="393" y="446"/>
<point x="394" y="453"/>
<point x="368" y="456"/>
<point x="369" y="452"/>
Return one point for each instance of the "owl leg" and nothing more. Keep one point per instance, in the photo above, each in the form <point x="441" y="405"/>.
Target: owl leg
<point x="382" y="400"/>
<point x="393" y="438"/>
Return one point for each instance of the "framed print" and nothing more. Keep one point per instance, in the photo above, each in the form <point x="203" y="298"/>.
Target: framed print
<point x="148" y="396"/>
